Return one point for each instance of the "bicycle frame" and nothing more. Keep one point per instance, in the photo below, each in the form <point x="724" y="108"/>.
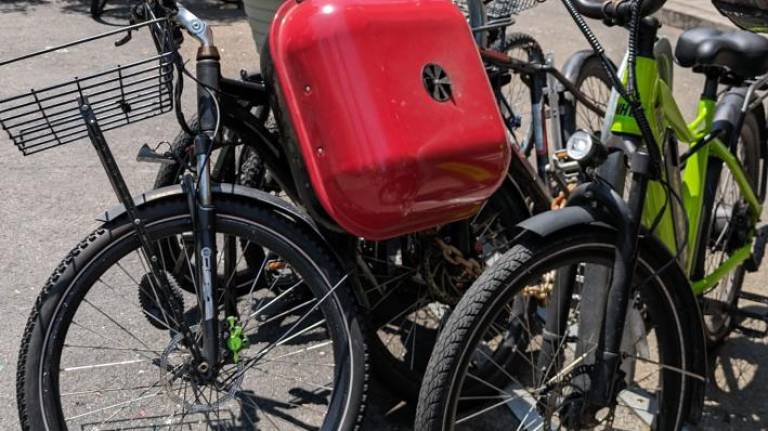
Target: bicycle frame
<point x="663" y="114"/>
<point x="548" y="86"/>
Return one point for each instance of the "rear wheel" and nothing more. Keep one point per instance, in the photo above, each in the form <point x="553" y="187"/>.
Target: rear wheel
<point x="412" y="284"/>
<point x="470" y="383"/>
<point x="95" y="356"/>
<point x="725" y="223"/>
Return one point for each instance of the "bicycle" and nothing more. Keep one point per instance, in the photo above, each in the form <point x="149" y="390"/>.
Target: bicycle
<point x="408" y="289"/>
<point x="615" y="337"/>
<point x="571" y="98"/>
<point x="112" y="340"/>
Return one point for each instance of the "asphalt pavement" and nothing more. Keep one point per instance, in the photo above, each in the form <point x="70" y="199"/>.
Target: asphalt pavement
<point x="51" y="200"/>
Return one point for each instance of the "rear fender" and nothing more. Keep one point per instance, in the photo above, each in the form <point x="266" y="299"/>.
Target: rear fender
<point x="571" y="70"/>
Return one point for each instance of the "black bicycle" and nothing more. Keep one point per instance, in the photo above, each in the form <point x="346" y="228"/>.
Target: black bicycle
<point x="599" y="301"/>
<point x="201" y="306"/>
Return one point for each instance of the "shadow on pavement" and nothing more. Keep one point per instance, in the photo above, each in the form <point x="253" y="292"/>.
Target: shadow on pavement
<point x="737" y="384"/>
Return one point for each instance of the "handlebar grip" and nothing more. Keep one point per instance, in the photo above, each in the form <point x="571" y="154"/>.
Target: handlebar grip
<point x="615" y="10"/>
<point x="590" y="8"/>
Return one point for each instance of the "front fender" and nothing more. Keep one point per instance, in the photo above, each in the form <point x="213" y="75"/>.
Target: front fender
<point x="556" y="221"/>
<point x="260" y="198"/>
<point x="575" y="62"/>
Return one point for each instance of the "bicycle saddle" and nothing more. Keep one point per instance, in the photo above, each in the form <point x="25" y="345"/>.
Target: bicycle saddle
<point x="745" y="54"/>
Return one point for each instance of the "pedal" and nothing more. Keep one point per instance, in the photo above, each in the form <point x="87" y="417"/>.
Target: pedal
<point x="149" y="155"/>
<point x="562" y="170"/>
<point x="758" y="250"/>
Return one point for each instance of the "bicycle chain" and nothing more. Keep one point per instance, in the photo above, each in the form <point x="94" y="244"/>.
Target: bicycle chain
<point x="453" y="255"/>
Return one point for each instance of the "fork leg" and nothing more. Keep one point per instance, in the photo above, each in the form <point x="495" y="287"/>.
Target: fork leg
<point x="605" y="377"/>
<point x="208" y="74"/>
<point x="205" y="235"/>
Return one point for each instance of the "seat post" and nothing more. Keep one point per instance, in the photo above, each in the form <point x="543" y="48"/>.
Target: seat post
<point x="710" y="84"/>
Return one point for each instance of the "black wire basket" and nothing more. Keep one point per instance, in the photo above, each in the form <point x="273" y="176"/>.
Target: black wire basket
<point x="500" y="9"/>
<point x="45" y="118"/>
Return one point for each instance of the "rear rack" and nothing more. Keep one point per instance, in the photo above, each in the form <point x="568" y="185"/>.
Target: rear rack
<point x="45" y="118"/>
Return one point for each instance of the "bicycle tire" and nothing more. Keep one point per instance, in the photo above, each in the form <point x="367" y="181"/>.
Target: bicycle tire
<point x="718" y="323"/>
<point x="69" y="287"/>
<point x="251" y="172"/>
<point x="437" y="407"/>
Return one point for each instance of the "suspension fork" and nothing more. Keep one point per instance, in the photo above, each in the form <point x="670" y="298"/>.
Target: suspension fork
<point x="208" y="75"/>
<point x="604" y="378"/>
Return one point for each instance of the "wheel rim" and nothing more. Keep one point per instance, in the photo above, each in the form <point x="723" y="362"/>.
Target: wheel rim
<point x="518" y="100"/>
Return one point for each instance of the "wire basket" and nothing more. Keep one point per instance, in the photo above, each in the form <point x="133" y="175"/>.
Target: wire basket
<point x="48" y="117"/>
<point x="499" y="9"/>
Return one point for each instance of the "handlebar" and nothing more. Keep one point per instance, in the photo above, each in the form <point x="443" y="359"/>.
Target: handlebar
<point x="618" y="11"/>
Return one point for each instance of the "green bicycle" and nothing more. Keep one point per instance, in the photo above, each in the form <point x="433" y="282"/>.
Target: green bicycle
<point x="610" y="303"/>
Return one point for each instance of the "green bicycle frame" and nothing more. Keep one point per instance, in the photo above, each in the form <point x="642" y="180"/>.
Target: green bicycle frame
<point x="666" y="121"/>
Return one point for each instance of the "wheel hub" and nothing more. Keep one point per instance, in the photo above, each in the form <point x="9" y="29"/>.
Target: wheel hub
<point x="184" y="379"/>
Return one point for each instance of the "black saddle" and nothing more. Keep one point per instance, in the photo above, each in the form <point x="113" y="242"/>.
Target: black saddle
<point x="744" y="54"/>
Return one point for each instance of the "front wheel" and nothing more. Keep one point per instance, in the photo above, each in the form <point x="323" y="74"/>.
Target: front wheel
<point x="106" y="347"/>
<point x="470" y="384"/>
